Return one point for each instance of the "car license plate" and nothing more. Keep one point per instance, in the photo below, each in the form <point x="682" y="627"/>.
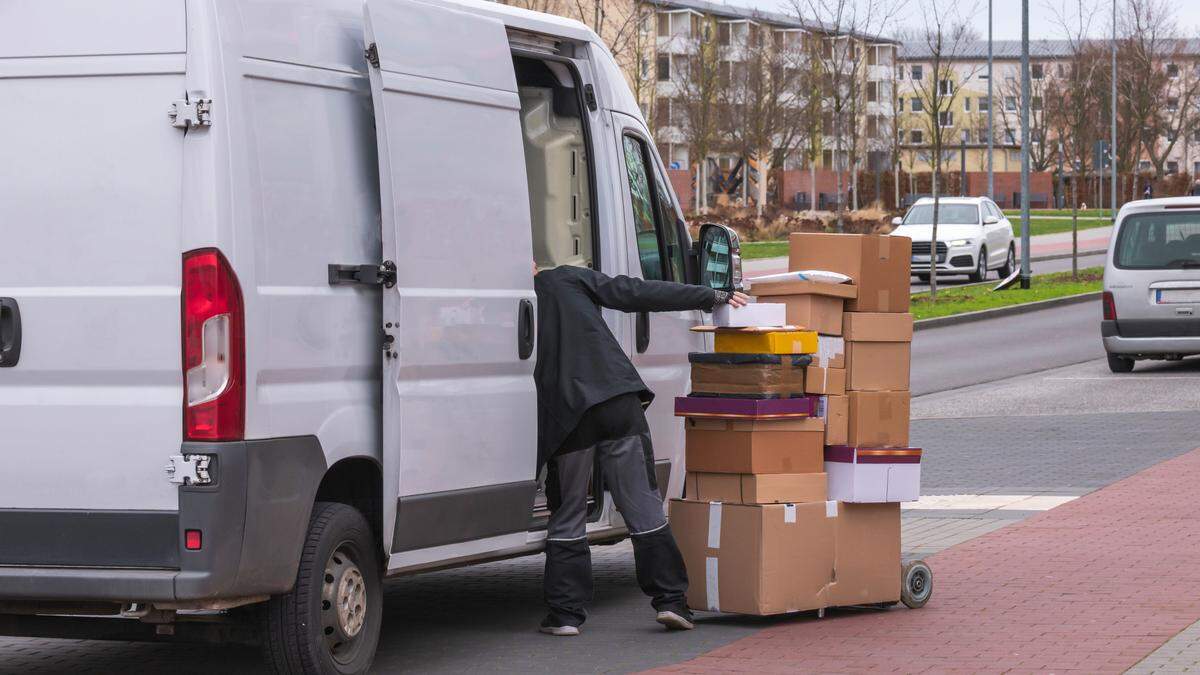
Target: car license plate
<point x="920" y="258"/>
<point x="1172" y="295"/>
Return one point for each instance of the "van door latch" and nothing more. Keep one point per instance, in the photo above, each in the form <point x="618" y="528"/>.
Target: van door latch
<point x="185" y="114"/>
<point x="189" y="469"/>
<point x="371" y="275"/>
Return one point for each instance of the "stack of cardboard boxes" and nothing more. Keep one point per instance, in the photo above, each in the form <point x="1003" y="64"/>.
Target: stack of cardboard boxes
<point x="797" y="438"/>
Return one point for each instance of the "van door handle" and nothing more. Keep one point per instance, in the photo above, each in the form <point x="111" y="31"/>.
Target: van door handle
<point x="10" y="332"/>
<point x="525" y="329"/>
<point x="643" y="332"/>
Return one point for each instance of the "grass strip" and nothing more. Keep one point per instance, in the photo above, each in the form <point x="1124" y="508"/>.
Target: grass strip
<point x="764" y="249"/>
<point x="974" y="298"/>
<point x="1083" y="213"/>
<point x="1052" y="225"/>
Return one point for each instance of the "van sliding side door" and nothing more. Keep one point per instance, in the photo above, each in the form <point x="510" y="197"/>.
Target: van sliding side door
<point x="459" y="404"/>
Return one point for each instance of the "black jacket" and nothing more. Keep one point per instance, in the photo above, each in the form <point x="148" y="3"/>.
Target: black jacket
<point x="579" y="361"/>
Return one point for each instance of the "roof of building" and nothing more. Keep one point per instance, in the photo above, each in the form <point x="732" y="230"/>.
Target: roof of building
<point x="727" y="11"/>
<point x="1011" y="49"/>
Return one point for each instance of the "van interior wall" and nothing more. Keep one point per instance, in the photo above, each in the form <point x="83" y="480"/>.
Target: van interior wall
<point x="556" y="163"/>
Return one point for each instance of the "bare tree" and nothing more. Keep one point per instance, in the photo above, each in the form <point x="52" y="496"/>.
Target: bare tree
<point x="944" y="34"/>
<point x="696" y="110"/>
<point x="843" y="27"/>
<point x="1041" y="97"/>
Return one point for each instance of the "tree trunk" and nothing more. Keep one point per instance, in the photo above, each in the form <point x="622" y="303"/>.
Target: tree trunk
<point x="1074" y="232"/>
<point x="933" y="236"/>
<point x="812" y="185"/>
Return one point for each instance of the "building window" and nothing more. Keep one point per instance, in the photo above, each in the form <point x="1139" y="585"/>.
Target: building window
<point x="946" y="118"/>
<point x="1172" y="104"/>
<point x="723" y="34"/>
<point x="1010" y="103"/>
<point x="662" y="112"/>
<point x="917" y="136"/>
<point x="1035" y="103"/>
<point x="872" y="91"/>
<point x="1035" y="136"/>
<point x="946" y="88"/>
<point x="1196" y="168"/>
<point x="1014" y="156"/>
<point x="917" y="104"/>
<point x="899" y="72"/>
<point x="1172" y="167"/>
<point x="983" y="104"/>
<point x="1171" y="136"/>
<point x="1036" y="71"/>
<point x="1196" y="136"/>
<point x="983" y="135"/>
<point x="644" y="66"/>
<point x="1010" y="137"/>
<point x="1172" y="70"/>
<point x="872" y="126"/>
<point x="1144" y="165"/>
<point x="917" y="73"/>
<point x="1062" y="69"/>
<point x="966" y="104"/>
<point x="664" y="67"/>
<point x="664" y="25"/>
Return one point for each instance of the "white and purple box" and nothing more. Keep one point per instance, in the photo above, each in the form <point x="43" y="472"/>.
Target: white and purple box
<point x="872" y="475"/>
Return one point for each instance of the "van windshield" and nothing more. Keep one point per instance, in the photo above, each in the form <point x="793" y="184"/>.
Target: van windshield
<point x="1155" y="241"/>
<point x="948" y="214"/>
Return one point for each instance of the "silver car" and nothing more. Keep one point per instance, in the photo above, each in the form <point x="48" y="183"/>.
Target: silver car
<point x="1152" y="283"/>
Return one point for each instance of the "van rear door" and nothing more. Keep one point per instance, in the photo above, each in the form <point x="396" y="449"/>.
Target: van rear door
<point x="459" y="403"/>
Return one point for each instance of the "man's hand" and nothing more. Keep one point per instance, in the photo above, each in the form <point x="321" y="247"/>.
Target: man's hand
<point x="738" y="299"/>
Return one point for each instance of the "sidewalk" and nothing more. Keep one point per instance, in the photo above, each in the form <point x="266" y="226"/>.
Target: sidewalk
<point x="1095" y="585"/>
<point x="1058" y="243"/>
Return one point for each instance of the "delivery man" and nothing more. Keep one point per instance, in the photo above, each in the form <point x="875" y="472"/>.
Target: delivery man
<point x="590" y="410"/>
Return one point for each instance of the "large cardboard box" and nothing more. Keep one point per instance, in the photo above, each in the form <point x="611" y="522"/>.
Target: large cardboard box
<point x="869" y="475"/>
<point x="812" y="305"/>
<point x="749" y="374"/>
<point x="747" y="488"/>
<point x="867" y="556"/>
<point x="878" y="352"/>
<point x="878" y="264"/>
<point x="878" y="419"/>
<point x="757" y="559"/>
<point x="772" y="342"/>
<point x="819" y="380"/>
<point x="835" y="412"/>
<point x="755" y="446"/>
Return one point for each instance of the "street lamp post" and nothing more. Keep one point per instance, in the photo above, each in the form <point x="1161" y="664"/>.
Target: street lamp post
<point x="1025" y="144"/>
<point x="1113" y="96"/>
<point x="991" y="129"/>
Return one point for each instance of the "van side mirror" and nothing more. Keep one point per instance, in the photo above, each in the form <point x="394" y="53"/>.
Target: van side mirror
<point x="990" y="220"/>
<point x="897" y="221"/>
<point x="720" y="258"/>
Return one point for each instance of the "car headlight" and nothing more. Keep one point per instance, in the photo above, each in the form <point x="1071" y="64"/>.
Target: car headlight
<point x="960" y="242"/>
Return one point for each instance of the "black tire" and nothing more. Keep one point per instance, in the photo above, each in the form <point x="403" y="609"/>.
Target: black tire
<point x="1120" y="364"/>
<point x="923" y="278"/>
<point x="916" y="584"/>
<point x="303" y="631"/>
<point x="981" y="269"/>
<point x="1010" y="263"/>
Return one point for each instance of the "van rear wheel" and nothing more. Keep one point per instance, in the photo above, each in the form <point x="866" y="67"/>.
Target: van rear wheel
<point x="328" y="624"/>
<point x="1120" y="364"/>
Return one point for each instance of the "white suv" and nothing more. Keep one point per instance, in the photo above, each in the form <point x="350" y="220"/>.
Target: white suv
<point x="974" y="237"/>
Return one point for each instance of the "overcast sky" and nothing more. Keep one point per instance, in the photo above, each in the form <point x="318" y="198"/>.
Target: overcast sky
<point x="1043" y="22"/>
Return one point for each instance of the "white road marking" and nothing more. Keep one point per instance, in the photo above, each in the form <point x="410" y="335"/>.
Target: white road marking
<point x="988" y="502"/>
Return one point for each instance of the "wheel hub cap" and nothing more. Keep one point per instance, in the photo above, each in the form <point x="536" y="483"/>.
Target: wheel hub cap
<point x="343" y="602"/>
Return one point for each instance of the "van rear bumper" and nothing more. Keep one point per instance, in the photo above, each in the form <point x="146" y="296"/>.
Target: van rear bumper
<point x="253" y="518"/>
<point x="1151" y="336"/>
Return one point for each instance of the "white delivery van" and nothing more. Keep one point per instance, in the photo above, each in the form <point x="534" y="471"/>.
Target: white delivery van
<point x="266" y="305"/>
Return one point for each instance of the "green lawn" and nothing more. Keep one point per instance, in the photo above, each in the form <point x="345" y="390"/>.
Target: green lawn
<point x="973" y="298"/>
<point x="1050" y="225"/>
<point x="1083" y="213"/>
<point x="764" y="249"/>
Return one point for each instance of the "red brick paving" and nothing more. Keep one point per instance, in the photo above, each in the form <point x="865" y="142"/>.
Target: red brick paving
<point x="1092" y="586"/>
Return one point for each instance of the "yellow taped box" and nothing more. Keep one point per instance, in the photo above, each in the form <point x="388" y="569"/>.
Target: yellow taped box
<point x="778" y="558"/>
<point x="746" y="488"/>
<point x="778" y="342"/>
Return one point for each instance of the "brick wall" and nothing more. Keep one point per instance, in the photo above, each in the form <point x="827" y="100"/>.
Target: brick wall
<point x="800" y="180"/>
<point x="681" y="182"/>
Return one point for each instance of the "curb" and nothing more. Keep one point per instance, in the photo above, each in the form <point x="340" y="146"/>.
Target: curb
<point x="1063" y="256"/>
<point x="1011" y="310"/>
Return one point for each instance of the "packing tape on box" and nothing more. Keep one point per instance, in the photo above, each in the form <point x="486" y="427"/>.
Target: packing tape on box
<point x="789" y="513"/>
<point x="828" y="348"/>
<point x="831" y="509"/>
<point x="885" y="248"/>
<point x="714" y="524"/>
<point x="710" y="585"/>
<point x="822" y="408"/>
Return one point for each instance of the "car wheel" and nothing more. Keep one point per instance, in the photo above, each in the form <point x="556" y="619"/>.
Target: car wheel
<point x="1120" y="364"/>
<point x="328" y="624"/>
<point x="1010" y="263"/>
<point x="923" y="278"/>
<point x="981" y="270"/>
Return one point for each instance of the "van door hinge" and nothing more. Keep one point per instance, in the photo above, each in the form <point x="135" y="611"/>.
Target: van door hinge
<point x="189" y="469"/>
<point x="185" y="114"/>
<point x="372" y="54"/>
<point x="371" y="275"/>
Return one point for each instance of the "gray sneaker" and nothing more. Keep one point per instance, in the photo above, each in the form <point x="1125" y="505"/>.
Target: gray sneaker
<point x="560" y="631"/>
<point x="674" y="621"/>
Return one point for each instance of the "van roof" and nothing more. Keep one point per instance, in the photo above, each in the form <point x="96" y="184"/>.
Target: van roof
<point x="529" y="20"/>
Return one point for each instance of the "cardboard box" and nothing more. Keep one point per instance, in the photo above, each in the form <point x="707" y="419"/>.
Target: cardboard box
<point x="877" y="327"/>
<point x="877" y="419"/>
<point x="749" y="374"/>
<point x="831" y="352"/>
<point x="878" y="366"/>
<point x="819" y="380"/>
<point x="812" y="305"/>
<point x="878" y="264"/>
<point x="745" y="488"/>
<point x="774" y="342"/>
<point x="867" y="475"/>
<point x="730" y="407"/>
<point x="867" y="555"/>
<point x="757" y="559"/>
<point x="753" y="314"/>
<point x="755" y="446"/>
<point x="835" y="412"/>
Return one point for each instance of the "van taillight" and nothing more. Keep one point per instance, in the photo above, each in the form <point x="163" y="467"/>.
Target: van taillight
<point x="214" y="349"/>
<point x="1110" y="306"/>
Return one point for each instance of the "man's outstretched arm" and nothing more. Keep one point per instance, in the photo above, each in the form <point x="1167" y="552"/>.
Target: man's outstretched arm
<point x="629" y="294"/>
